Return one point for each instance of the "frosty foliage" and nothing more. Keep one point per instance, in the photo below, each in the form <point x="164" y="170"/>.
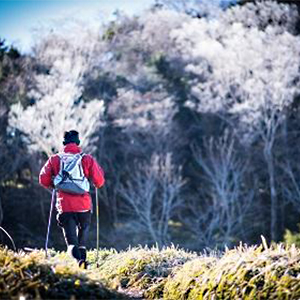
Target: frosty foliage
<point x="262" y="14"/>
<point x="68" y="40"/>
<point x="46" y="121"/>
<point x="241" y="71"/>
<point x="162" y="21"/>
<point x="123" y="41"/>
<point x="245" y="69"/>
<point x="58" y="105"/>
<point x="196" y="8"/>
<point x="133" y="45"/>
<point x="133" y="110"/>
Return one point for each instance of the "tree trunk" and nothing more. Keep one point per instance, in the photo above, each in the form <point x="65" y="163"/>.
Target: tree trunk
<point x="273" y="193"/>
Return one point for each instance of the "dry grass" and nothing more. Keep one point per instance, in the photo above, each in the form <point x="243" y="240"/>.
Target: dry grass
<point x="34" y="277"/>
<point x="260" y="272"/>
<point x="241" y="273"/>
<point x="144" y="269"/>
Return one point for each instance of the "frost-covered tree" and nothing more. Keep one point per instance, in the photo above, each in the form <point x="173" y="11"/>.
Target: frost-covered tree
<point x="220" y="216"/>
<point x="142" y="123"/>
<point x="151" y="196"/>
<point x="197" y="8"/>
<point x="246" y="75"/>
<point x="58" y="104"/>
<point x="134" y="44"/>
<point x="142" y="106"/>
<point x="262" y="14"/>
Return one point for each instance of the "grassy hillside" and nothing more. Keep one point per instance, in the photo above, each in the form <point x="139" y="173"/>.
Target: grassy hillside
<point x="241" y="273"/>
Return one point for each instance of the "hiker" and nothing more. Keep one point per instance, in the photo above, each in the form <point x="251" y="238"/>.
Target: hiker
<point x="68" y="172"/>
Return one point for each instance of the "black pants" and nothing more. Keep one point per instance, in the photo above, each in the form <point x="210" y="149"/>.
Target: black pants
<point x="75" y="227"/>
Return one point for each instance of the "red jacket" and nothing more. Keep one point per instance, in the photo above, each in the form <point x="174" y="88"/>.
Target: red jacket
<point x="70" y="202"/>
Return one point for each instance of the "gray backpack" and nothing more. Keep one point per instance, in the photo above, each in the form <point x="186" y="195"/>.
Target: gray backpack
<point x="71" y="178"/>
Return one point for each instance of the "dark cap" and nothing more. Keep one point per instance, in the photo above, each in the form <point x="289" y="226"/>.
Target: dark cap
<point x="71" y="136"/>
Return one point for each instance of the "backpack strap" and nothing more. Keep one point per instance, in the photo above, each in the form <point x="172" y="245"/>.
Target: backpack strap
<point x="82" y="154"/>
<point x="73" y="163"/>
<point x="61" y="163"/>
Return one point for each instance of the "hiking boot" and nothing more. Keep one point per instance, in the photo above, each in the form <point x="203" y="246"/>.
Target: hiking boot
<point x="74" y="252"/>
<point x="83" y="264"/>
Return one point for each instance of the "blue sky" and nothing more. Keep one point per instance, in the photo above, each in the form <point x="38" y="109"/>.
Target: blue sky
<point x="19" y="17"/>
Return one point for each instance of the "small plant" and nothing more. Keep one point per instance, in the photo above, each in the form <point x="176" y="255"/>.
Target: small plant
<point x="292" y="237"/>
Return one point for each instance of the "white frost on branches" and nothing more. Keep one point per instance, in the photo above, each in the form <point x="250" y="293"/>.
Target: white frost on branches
<point x="262" y="14"/>
<point x="249" y="75"/>
<point x="241" y="71"/>
<point x="156" y="27"/>
<point x="134" y="110"/>
<point x="135" y="43"/>
<point x="58" y="105"/>
<point x="219" y="217"/>
<point x="47" y="120"/>
<point x="195" y="8"/>
<point x="151" y="196"/>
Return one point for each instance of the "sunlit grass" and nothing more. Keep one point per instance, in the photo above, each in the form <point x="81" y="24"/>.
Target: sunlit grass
<point x="241" y="273"/>
<point x="32" y="276"/>
<point x="256" y="272"/>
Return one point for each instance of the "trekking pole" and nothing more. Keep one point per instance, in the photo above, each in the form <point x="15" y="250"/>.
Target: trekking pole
<point x="10" y="238"/>
<point x="97" y="217"/>
<point x="49" y="221"/>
